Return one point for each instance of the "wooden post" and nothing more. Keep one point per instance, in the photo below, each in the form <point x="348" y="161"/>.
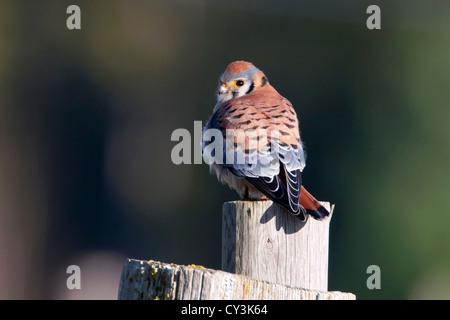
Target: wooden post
<point x="268" y="253"/>
<point x="265" y="242"/>
<point x="154" y="280"/>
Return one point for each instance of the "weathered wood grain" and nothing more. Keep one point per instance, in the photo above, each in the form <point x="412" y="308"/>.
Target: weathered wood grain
<point x="144" y="280"/>
<point x="265" y="242"/>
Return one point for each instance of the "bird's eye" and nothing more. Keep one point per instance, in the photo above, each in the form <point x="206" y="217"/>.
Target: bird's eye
<point x="239" y="83"/>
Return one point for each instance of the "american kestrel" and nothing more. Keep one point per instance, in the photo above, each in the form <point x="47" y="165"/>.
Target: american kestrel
<point x="262" y="155"/>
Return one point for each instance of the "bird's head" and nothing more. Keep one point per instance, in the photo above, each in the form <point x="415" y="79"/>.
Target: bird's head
<point x="238" y="79"/>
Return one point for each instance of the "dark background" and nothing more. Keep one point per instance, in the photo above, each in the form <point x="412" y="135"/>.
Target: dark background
<point x="86" y="118"/>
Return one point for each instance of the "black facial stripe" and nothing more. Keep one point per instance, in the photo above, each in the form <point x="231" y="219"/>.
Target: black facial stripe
<point x="263" y="81"/>
<point x="250" y="89"/>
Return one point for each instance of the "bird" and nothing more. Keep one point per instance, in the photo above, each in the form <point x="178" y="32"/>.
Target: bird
<point x="257" y="149"/>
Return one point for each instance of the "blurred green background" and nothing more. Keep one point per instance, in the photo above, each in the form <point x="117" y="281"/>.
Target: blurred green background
<point x="86" y="118"/>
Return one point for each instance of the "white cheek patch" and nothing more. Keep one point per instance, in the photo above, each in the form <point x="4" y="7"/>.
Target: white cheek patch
<point x="246" y="88"/>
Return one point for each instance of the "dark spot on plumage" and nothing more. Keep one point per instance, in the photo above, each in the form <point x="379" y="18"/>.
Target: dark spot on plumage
<point x="237" y="116"/>
<point x="227" y="107"/>
<point x="284" y="133"/>
<point x="242" y="109"/>
<point x="290" y="126"/>
<point x="292" y="112"/>
<point x="294" y="146"/>
<point x="291" y="120"/>
<point x="250" y="89"/>
<point x="264" y="127"/>
<point x="248" y="151"/>
<point x="251" y="113"/>
<point x="277" y="116"/>
<point x="263" y="81"/>
<point x="282" y="144"/>
<point x="283" y="111"/>
<point x="244" y="122"/>
<point x="270" y="107"/>
<point x="232" y="111"/>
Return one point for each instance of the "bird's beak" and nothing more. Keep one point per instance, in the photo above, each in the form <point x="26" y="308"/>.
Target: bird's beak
<point x="223" y="88"/>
